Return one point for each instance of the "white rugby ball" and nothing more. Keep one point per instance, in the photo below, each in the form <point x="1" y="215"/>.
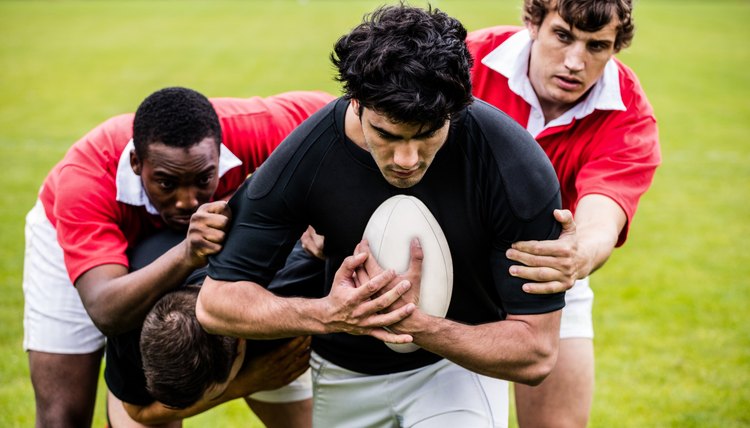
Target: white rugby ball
<point x="389" y="232"/>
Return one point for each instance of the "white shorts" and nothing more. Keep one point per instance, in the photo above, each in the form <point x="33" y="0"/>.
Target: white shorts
<point x="54" y="319"/>
<point x="298" y="390"/>
<point x="443" y="394"/>
<point x="577" y="319"/>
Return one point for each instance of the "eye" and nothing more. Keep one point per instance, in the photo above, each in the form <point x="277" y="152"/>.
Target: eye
<point x="165" y="185"/>
<point x="387" y="137"/>
<point x="563" y="36"/>
<point x="205" y="181"/>
<point x="428" y="135"/>
<point x="598" y="46"/>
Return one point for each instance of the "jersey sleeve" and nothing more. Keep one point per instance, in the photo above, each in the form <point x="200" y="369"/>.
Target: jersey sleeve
<point x="253" y="127"/>
<point x="522" y="193"/>
<point x="85" y="210"/>
<point x="86" y="229"/>
<point x="623" y="165"/>
<point x="267" y="218"/>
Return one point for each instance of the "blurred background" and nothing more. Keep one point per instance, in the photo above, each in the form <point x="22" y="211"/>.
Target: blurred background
<point x="672" y="324"/>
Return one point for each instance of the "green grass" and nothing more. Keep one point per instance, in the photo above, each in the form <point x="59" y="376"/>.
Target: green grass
<point x="673" y="335"/>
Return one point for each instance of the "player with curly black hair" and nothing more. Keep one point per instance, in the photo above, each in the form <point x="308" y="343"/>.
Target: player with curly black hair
<point x="407" y="125"/>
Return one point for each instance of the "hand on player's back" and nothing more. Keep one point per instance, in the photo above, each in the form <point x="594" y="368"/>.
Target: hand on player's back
<point x="273" y="369"/>
<point x="550" y="264"/>
<point x="206" y="232"/>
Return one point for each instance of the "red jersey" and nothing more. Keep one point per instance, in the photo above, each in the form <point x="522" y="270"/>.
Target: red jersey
<point x="612" y="152"/>
<point x="89" y="195"/>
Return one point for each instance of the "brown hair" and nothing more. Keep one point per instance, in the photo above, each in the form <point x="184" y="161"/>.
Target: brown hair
<point x="586" y="15"/>
<point x="180" y="360"/>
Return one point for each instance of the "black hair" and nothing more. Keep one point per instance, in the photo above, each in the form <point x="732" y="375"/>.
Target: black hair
<point x="409" y="64"/>
<point x="177" y="117"/>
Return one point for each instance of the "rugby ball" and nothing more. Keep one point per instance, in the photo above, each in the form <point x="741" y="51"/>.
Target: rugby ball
<point x="389" y="232"/>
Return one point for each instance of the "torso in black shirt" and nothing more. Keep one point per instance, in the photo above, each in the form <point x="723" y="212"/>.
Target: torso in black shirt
<point x="488" y="186"/>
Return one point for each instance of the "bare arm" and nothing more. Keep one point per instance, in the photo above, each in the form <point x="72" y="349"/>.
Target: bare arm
<point x="584" y="245"/>
<point x="266" y="372"/>
<point x="246" y="309"/>
<point x="521" y="348"/>
<point x="118" y="301"/>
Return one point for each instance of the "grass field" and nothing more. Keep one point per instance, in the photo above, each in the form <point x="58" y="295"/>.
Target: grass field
<point x="673" y="330"/>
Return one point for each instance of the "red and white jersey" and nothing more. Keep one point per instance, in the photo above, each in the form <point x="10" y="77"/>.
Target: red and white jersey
<point x="607" y="144"/>
<point x="98" y="205"/>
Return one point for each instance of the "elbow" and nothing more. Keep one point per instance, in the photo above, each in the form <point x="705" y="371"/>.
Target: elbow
<point x="108" y="325"/>
<point x="541" y="366"/>
<point x="203" y="310"/>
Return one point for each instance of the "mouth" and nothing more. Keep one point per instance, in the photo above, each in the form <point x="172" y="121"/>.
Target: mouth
<point x="404" y="174"/>
<point x="568" y="83"/>
<point x="180" y="220"/>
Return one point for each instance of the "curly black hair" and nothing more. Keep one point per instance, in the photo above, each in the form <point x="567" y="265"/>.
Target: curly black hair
<point x="177" y="117"/>
<point x="409" y="64"/>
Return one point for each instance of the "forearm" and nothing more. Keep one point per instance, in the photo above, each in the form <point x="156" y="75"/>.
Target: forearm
<point x="156" y="413"/>
<point x="599" y="221"/>
<point x="245" y="309"/>
<point x="118" y="301"/>
<point x="520" y="349"/>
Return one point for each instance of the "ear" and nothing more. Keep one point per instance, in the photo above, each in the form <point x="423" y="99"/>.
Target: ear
<point x="135" y="162"/>
<point x="533" y="30"/>
<point x="355" y="106"/>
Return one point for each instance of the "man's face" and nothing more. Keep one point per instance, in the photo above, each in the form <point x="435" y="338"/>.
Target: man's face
<point x="403" y="152"/>
<point x="566" y="62"/>
<point x="178" y="180"/>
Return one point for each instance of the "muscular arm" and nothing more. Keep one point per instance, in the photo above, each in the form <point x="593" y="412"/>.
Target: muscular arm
<point x="521" y="348"/>
<point x="247" y="310"/>
<point x="266" y="372"/>
<point x="584" y="246"/>
<point x="118" y="301"/>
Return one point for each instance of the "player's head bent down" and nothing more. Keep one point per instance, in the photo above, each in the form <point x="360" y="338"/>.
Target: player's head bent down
<point x="176" y="134"/>
<point x="181" y="362"/>
<point x="407" y="72"/>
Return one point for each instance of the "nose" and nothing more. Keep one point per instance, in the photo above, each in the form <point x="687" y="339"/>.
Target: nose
<point x="406" y="156"/>
<point x="575" y="57"/>
<point x="187" y="199"/>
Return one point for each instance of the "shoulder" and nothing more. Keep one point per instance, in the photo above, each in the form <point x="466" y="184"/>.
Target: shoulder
<point x="287" y="103"/>
<point x="306" y="144"/>
<point x="633" y="95"/>
<point x="483" y="41"/>
<point x="309" y="101"/>
<point x="526" y="173"/>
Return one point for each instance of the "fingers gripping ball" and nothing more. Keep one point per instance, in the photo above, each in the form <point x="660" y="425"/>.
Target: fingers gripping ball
<point x="390" y="230"/>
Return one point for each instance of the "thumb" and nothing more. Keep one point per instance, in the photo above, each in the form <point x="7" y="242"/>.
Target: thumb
<point x="416" y="255"/>
<point x="219" y="207"/>
<point x="565" y="218"/>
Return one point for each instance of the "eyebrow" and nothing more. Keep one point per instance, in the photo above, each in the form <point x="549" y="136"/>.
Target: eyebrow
<point x="420" y="135"/>
<point x="569" y="30"/>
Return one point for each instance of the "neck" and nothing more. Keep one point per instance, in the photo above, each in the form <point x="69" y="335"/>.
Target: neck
<point x="552" y="111"/>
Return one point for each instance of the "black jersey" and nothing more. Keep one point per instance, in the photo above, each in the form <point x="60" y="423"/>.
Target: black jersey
<point x="489" y="185"/>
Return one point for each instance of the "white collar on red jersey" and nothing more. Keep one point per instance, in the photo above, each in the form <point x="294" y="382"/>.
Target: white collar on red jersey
<point x="511" y="59"/>
<point x="130" y="188"/>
